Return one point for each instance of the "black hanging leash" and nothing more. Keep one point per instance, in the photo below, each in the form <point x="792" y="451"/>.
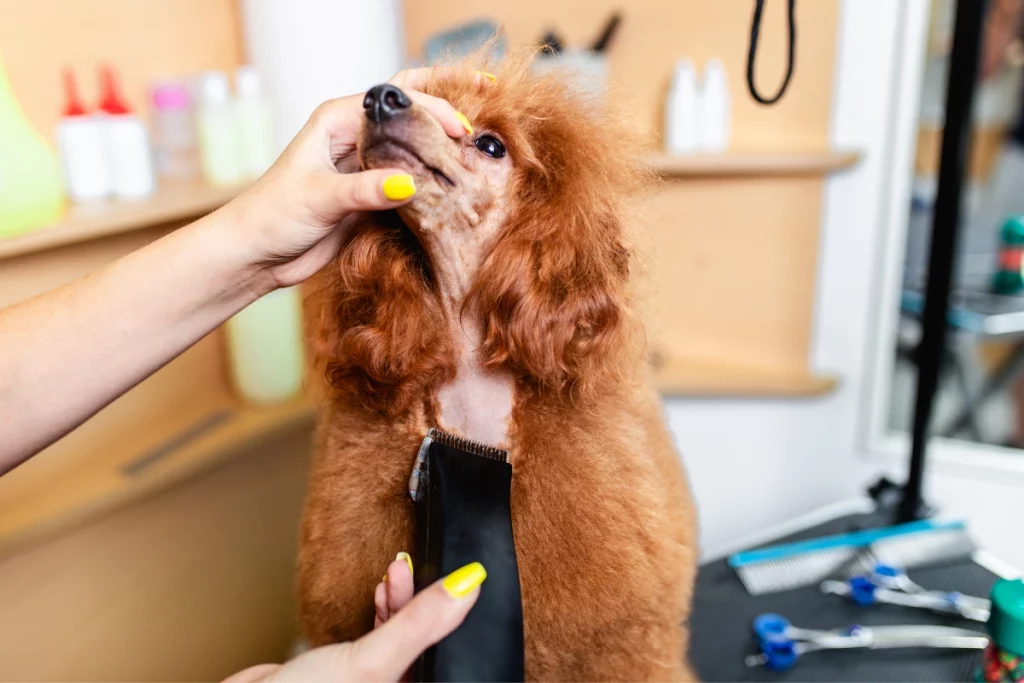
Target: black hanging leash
<point x="755" y="31"/>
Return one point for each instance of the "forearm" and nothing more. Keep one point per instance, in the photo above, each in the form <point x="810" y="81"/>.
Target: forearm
<point x="66" y="354"/>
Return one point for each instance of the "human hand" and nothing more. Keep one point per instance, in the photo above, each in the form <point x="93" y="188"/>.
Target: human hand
<point x="404" y="627"/>
<point x="292" y="221"/>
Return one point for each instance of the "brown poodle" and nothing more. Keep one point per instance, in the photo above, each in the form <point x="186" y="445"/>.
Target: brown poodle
<point x="496" y="305"/>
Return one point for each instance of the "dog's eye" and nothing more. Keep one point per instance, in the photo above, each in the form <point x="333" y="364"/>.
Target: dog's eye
<point x="489" y="145"/>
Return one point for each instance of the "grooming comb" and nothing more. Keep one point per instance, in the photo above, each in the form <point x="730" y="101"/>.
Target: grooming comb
<point x="461" y="490"/>
<point x="805" y="563"/>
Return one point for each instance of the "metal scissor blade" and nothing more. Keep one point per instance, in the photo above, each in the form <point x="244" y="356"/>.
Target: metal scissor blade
<point x="885" y="637"/>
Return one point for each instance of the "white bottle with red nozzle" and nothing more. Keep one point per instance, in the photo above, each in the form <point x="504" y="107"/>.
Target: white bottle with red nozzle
<point x="127" y="143"/>
<point x="82" y="153"/>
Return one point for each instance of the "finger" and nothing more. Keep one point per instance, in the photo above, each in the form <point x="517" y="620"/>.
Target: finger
<point x="387" y="652"/>
<point x="400" y="584"/>
<point x="338" y="194"/>
<point x="380" y="602"/>
<point x="339" y="120"/>
<point x="419" y="78"/>
<point x="453" y="121"/>
<point x="254" y="673"/>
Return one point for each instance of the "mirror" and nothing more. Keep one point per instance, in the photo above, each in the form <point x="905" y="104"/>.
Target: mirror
<point x="981" y="393"/>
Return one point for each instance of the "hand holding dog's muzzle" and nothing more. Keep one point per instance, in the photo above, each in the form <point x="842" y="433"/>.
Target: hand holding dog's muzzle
<point x="296" y="216"/>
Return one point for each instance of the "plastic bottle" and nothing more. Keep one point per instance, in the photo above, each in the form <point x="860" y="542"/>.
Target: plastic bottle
<point x="31" y="190"/>
<point x="83" y="155"/>
<point x="126" y="141"/>
<point x="682" y="122"/>
<point x="1004" y="658"/>
<point x="218" y="131"/>
<point x="255" y="124"/>
<point x="716" y="109"/>
<point x="265" y="348"/>
<point x="175" y="142"/>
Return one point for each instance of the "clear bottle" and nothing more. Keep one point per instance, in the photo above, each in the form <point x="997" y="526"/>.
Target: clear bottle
<point x="265" y="348"/>
<point x="127" y="143"/>
<point x="83" y="155"/>
<point x="218" y="131"/>
<point x="175" y="141"/>
<point x="255" y="124"/>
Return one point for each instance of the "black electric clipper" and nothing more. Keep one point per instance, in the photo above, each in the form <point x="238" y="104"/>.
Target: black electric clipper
<point x="461" y="492"/>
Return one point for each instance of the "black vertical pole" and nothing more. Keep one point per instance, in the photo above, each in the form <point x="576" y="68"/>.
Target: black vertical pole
<point x="963" y="75"/>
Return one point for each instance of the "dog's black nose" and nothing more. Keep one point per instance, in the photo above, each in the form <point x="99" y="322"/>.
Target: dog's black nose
<point x="384" y="101"/>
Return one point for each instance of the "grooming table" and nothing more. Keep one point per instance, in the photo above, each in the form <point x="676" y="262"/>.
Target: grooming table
<point x="723" y="611"/>
<point x="979" y="316"/>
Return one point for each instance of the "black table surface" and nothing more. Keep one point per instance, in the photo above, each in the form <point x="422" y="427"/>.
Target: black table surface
<point x="721" y="623"/>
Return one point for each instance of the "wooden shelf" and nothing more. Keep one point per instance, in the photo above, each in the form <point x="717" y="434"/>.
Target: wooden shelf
<point x="151" y="458"/>
<point x="172" y="202"/>
<point x="690" y="377"/>
<point x="752" y="163"/>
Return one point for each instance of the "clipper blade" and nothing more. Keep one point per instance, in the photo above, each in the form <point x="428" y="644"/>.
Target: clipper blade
<point x="452" y="441"/>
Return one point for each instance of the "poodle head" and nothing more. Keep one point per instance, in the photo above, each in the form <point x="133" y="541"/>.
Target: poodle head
<point x="516" y="229"/>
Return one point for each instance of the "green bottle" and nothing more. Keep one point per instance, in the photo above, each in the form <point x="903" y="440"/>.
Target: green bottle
<point x="31" y="189"/>
<point x="1004" y="658"/>
<point x="1009" y="278"/>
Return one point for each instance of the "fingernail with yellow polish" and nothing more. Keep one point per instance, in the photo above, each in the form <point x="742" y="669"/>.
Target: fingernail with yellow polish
<point x="385" y="579"/>
<point x="487" y="74"/>
<point x="464" y="580"/>
<point x="399" y="186"/>
<point x="405" y="556"/>
<point x="464" y="121"/>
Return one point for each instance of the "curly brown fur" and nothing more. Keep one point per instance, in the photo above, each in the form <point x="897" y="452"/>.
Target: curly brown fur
<point x="603" y="518"/>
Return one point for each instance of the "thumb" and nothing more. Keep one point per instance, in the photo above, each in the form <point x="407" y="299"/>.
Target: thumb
<point x="390" y="650"/>
<point x="338" y="194"/>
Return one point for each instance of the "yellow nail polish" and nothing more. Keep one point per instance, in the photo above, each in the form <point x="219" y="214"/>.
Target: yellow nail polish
<point x="385" y="579"/>
<point x="487" y="74"/>
<point x="399" y="186"/>
<point x="465" y="122"/>
<point x="405" y="556"/>
<point x="464" y="580"/>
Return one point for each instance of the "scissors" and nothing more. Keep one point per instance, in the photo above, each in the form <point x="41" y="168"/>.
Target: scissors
<point x="892" y="586"/>
<point x="782" y="644"/>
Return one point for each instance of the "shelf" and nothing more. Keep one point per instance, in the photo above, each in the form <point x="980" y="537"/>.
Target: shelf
<point x="149" y="459"/>
<point x="83" y="222"/>
<point x="752" y="163"/>
<point x="678" y="377"/>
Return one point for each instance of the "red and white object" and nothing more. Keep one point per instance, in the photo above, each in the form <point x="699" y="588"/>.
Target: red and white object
<point x="126" y="142"/>
<point x="80" y="143"/>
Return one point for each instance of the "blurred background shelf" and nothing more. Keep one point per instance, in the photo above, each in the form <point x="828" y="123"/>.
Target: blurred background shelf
<point x="172" y="202"/>
<point x="753" y="163"/>
<point x="93" y="472"/>
<point x="716" y="378"/>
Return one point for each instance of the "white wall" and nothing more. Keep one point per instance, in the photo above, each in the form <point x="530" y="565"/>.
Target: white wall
<point x="755" y="464"/>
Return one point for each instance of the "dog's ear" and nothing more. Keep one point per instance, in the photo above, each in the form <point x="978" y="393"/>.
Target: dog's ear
<point x="551" y="294"/>
<point x="381" y="333"/>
